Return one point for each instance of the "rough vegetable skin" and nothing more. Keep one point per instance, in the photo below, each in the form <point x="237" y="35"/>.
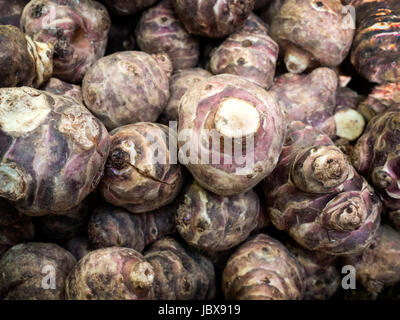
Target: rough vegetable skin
<point x="112" y="226"/>
<point x="214" y="223"/>
<point x="23" y="62"/>
<point x="10" y="13"/>
<point x="24" y="267"/>
<point x="181" y="273"/>
<point x="263" y="269"/>
<point x="77" y="29"/>
<point x="141" y="173"/>
<point x="212" y="18"/>
<point x="159" y="30"/>
<point x="128" y="7"/>
<point x="111" y="274"/>
<point x="63" y="88"/>
<point x="318" y="197"/>
<point x="312" y="33"/>
<point x="126" y="87"/>
<point x="248" y="52"/>
<point x="54" y="156"/>
<point x="236" y="111"/>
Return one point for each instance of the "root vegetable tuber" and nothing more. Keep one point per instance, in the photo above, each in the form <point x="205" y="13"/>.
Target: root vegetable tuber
<point x="245" y="125"/>
<point x="159" y="30"/>
<point x="24" y="268"/>
<point x="378" y="266"/>
<point x="52" y="151"/>
<point x="317" y="196"/>
<point x="62" y="88"/>
<point x="141" y="173"/>
<point x="78" y="246"/>
<point x="263" y="269"/>
<point x="15" y="228"/>
<point x="10" y="11"/>
<point x="78" y="30"/>
<point x="23" y="62"/>
<point x="126" y="87"/>
<point x="111" y="274"/>
<point x="312" y="33"/>
<point x="112" y="226"/>
<point x="249" y="53"/>
<point x="128" y="7"/>
<point x="180" y="272"/>
<point x="214" y="223"/>
<point x="213" y="19"/>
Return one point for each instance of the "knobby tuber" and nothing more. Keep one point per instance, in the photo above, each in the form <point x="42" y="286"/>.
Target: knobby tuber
<point x="249" y="52"/>
<point x="214" y="223"/>
<point x="10" y="11"/>
<point x="231" y="132"/>
<point x="78" y="30"/>
<point x="210" y="18"/>
<point x="159" y="30"/>
<point x="312" y="33"/>
<point x="142" y="173"/>
<point x="128" y="7"/>
<point x="127" y="87"/>
<point x="62" y="88"/>
<point x="52" y="151"/>
<point x="24" y="268"/>
<point x="23" y="62"/>
<point x="263" y="269"/>
<point x="318" y="197"/>
<point x="111" y="226"/>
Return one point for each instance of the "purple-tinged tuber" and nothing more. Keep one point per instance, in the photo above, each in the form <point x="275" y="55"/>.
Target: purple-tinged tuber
<point x="263" y="269"/>
<point x="142" y="173"/>
<point x="318" y="197"/>
<point x="231" y="132"/>
<point x="127" y="87"/>
<point x="10" y="11"/>
<point x="159" y="30"/>
<point x="78" y="30"/>
<point x="25" y="267"/>
<point x="52" y="151"/>
<point x="62" y="88"/>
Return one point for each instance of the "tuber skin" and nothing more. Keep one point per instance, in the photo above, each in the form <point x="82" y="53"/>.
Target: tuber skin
<point x="216" y="223"/>
<point x="111" y="274"/>
<point x="159" y="30"/>
<point x="126" y="87"/>
<point x="52" y="151"/>
<point x="376" y="52"/>
<point x="128" y="7"/>
<point x="316" y="196"/>
<point x="78" y="246"/>
<point x="180" y="82"/>
<point x="312" y="33"/>
<point x="238" y="112"/>
<point x="23" y="62"/>
<point x="263" y="269"/>
<point x="62" y="88"/>
<point x="380" y="99"/>
<point x="141" y="173"/>
<point x="25" y="266"/>
<point x="15" y="228"/>
<point x="64" y="225"/>
<point x="212" y="19"/>
<point x="322" y="277"/>
<point x="10" y="11"/>
<point x="180" y="272"/>
<point x="78" y="30"/>
<point x="111" y="226"/>
<point x="378" y="266"/>
<point x="248" y="52"/>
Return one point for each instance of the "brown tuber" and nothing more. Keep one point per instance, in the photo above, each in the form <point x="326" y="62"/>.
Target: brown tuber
<point x="263" y="269"/>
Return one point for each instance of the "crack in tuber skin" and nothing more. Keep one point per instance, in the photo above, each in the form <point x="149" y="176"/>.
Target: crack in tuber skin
<point x="23" y="62"/>
<point x="212" y="18"/>
<point x="22" y="266"/>
<point x="52" y="151"/>
<point x="139" y="175"/>
<point x="215" y="223"/>
<point x="62" y="88"/>
<point x="263" y="269"/>
<point x="312" y="33"/>
<point x="78" y="31"/>
<point x="128" y="7"/>
<point x="198" y="113"/>
<point x="248" y="52"/>
<point x="127" y="87"/>
<point x="318" y="197"/>
<point x="159" y="30"/>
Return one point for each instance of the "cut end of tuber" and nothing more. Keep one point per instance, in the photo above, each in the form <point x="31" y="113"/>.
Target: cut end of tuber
<point x="296" y="60"/>
<point x="349" y="124"/>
